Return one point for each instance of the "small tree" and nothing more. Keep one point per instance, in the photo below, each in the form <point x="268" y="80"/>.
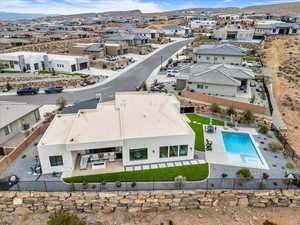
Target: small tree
<point x="63" y="218"/>
<point x="267" y="222"/>
<point x="248" y="116"/>
<point x="230" y="111"/>
<point x="49" y="116"/>
<point x="215" y="108"/>
<point x="264" y="129"/>
<point x="223" y="175"/>
<point x="104" y="66"/>
<point x="290" y="165"/>
<point x="244" y="173"/>
<point x="61" y="102"/>
<point x="179" y="181"/>
<point x="8" y="86"/>
<point x="275" y="146"/>
<point x="144" y="86"/>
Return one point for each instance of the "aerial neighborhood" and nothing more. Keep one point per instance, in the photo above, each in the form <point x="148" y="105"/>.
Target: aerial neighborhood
<point x="129" y="101"/>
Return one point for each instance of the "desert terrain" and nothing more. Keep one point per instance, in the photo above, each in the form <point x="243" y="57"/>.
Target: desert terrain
<point x="282" y="56"/>
<point x="208" y="216"/>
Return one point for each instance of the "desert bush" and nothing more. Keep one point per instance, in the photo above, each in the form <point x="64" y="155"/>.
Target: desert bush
<point x="244" y="173"/>
<point x="267" y="222"/>
<point x="230" y="111"/>
<point x="63" y="218"/>
<point x="290" y="165"/>
<point x="275" y="146"/>
<point x="215" y="108"/>
<point x="263" y="129"/>
<point x="248" y="116"/>
<point x="61" y="102"/>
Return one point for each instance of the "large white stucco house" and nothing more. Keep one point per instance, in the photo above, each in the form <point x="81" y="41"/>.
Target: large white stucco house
<point x="138" y="128"/>
<point x="40" y="61"/>
<point x="221" y="79"/>
<point x="218" y="54"/>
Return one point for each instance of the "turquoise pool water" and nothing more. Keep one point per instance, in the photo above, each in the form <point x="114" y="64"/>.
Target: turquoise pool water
<point x="240" y="148"/>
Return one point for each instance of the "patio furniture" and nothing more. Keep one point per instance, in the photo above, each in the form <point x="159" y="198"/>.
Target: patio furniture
<point x="111" y="157"/>
<point x="210" y="129"/>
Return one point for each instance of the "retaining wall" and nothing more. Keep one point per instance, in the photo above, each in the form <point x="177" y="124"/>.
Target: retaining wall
<point x="135" y="202"/>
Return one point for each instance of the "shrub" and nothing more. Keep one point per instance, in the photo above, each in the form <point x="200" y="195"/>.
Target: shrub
<point x="287" y="181"/>
<point x="267" y="222"/>
<point x="72" y="186"/>
<point x="264" y="129"/>
<point x="49" y="116"/>
<point x="290" y="165"/>
<point x="275" y="146"/>
<point x="248" y="116"/>
<point x="230" y="111"/>
<point x="118" y="184"/>
<point x="179" y="181"/>
<point x="104" y="66"/>
<point x="215" y="108"/>
<point x="61" y="102"/>
<point x="224" y="175"/>
<point x="133" y="184"/>
<point x="63" y="218"/>
<point x="244" y="173"/>
<point x="8" y="86"/>
<point x="265" y="176"/>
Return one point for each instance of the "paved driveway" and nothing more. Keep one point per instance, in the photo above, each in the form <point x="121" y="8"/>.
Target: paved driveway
<point x="127" y="81"/>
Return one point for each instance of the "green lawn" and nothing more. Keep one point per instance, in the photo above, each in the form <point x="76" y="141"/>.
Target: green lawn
<point x="69" y="74"/>
<point x="198" y="129"/>
<point x="251" y="58"/>
<point x="192" y="173"/>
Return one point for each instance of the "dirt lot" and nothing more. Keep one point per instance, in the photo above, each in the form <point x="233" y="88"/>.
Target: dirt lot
<point x="282" y="56"/>
<point x="209" y="216"/>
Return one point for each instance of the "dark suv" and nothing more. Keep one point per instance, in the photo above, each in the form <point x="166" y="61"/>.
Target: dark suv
<point x="51" y="90"/>
<point x="28" y="91"/>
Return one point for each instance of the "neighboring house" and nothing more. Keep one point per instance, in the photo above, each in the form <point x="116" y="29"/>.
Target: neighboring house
<point x="233" y="33"/>
<point x="40" y="61"/>
<point x="208" y="24"/>
<point x="277" y="29"/>
<point x="176" y="30"/>
<point x="222" y="79"/>
<point x="129" y="39"/>
<point x="138" y="128"/>
<point x="91" y="49"/>
<point x="218" y="54"/>
<point x="229" y="17"/>
<point x="16" y="118"/>
<point x="148" y="33"/>
<point x="13" y="42"/>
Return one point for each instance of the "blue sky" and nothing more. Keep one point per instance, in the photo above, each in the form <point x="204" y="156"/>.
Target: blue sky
<point x="83" y="6"/>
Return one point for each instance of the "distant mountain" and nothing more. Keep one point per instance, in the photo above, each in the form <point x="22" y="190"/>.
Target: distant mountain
<point x="17" y="16"/>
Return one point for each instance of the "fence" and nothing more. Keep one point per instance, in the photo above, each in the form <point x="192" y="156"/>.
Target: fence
<point x="14" y="153"/>
<point x="224" y="102"/>
<point x="208" y="184"/>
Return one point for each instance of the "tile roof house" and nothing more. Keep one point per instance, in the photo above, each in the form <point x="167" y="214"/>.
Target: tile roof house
<point x="217" y="54"/>
<point x="277" y="29"/>
<point x="221" y="79"/>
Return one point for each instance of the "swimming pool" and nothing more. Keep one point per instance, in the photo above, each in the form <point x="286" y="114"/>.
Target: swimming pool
<point x="240" y="148"/>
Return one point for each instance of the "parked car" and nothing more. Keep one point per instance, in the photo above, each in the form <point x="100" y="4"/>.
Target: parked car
<point x="28" y="91"/>
<point x="90" y="82"/>
<point x="157" y="89"/>
<point x="51" y="90"/>
<point x="171" y="73"/>
<point x="84" y="76"/>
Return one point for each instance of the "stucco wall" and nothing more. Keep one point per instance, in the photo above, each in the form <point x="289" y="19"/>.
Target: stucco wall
<point x="218" y="59"/>
<point x="214" y="89"/>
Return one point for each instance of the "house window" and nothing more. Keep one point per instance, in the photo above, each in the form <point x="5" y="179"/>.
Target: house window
<point x="164" y="152"/>
<point x="200" y="86"/>
<point x="207" y="58"/>
<point x="36" y="66"/>
<point x="223" y="58"/>
<point x="173" y="151"/>
<point x="56" y="160"/>
<point x="138" y="154"/>
<point x="206" y="86"/>
<point x="7" y="130"/>
<point x="274" y="30"/>
<point x="216" y="58"/>
<point x="28" y="67"/>
<point x="183" y="150"/>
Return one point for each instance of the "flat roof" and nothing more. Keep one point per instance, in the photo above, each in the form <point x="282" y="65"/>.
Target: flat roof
<point x="131" y="115"/>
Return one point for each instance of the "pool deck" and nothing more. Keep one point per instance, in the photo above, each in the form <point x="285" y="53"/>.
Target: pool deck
<point x="218" y="155"/>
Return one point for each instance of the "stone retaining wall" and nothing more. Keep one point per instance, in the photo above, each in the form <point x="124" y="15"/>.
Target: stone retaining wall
<point x="135" y="202"/>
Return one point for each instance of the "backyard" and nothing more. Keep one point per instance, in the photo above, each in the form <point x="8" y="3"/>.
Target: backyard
<point x="191" y="173"/>
<point x="198" y="128"/>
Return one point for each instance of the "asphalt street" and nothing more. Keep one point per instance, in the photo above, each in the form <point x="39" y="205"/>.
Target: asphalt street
<point x="127" y="81"/>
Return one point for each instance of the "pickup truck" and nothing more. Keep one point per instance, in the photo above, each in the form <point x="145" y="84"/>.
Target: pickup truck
<point x="51" y="90"/>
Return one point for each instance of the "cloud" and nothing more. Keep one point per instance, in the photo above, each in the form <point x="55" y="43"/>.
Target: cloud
<point x="76" y="6"/>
